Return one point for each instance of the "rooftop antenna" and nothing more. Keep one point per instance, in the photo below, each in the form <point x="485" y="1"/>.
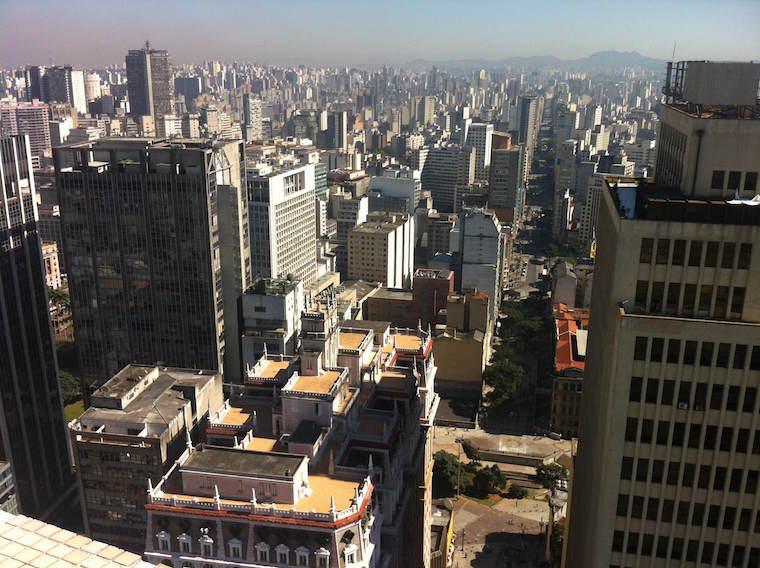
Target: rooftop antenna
<point x="147" y="45"/>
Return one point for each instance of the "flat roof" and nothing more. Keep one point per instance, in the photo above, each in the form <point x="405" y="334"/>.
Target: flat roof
<point x="235" y="417"/>
<point x="319" y="384"/>
<point x="243" y="462"/>
<point x="376" y="326"/>
<point x="352" y="339"/>
<point x="269" y="369"/>
<point x="408" y="342"/>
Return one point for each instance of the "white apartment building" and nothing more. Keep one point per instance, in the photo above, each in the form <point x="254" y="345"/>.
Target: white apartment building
<point x="283" y="222"/>
<point x="479" y="136"/>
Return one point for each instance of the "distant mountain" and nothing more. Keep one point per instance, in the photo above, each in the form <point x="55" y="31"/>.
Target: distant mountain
<point x="600" y="60"/>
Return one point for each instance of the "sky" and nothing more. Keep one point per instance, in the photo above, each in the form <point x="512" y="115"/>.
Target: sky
<point x="89" y="33"/>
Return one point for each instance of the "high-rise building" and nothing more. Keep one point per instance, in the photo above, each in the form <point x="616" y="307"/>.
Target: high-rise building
<point x="190" y="88"/>
<point x="252" y="116"/>
<point x="505" y="184"/>
<point x="668" y="463"/>
<point x="283" y="223"/>
<point x="382" y="250"/>
<point x="445" y="168"/>
<point x="564" y="183"/>
<point x="337" y="130"/>
<point x="30" y="119"/>
<point x="479" y="136"/>
<point x="150" y="82"/>
<point x="63" y="84"/>
<point x="482" y="244"/>
<point x="32" y="430"/>
<point x="156" y="245"/>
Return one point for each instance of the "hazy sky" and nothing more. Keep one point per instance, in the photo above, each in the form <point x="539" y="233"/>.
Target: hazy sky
<point x="339" y="32"/>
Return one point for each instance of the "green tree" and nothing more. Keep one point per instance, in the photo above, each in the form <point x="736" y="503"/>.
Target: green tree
<point x="517" y="492"/>
<point x="488" y="480"/>
<point x="70" y="387"/>
<point x="503" y="377"/>
<point x="549" y="474"/>
<point x="469" y="450"/>
<point x="445" y="471"/>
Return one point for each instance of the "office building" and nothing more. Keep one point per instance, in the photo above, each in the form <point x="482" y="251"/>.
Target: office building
<point x="150" y="82"/>
<point x="63" y="84"/>
<point x="156" y="245"/>
<point x="479" y="137"/>
<point x="190" y="88"/>
<point x="137" y="424"/>
<point x="667" y="469"/>
<point x="30" y="119"/>
<point x="282" y="223"/>
<point x="506" y="195"/>
<point x="564" y="184"/>
<point x="252" y="118"/>
<point x="50" y="266"/>
<point x="382" y="250"/>
<point x="396" y="190"/>
<point x="482" y="243"/>
<point x="445" y="168"/>
<point x="32" y="431"/>
<point x="8" y="502"/>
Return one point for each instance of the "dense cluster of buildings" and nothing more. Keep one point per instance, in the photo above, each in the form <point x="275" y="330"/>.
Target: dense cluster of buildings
<point x="279" y="278"/>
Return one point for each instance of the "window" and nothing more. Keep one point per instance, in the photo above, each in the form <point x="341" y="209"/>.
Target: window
<point x="726" y="437"/>
<point x="729" y="516"/>
<point x="716" y="398"/>
<point x="703" y="481"/>
<point x="184" y="542"/>
<point x="684" y="394"/>
<point x="705" y="297"/>
<point x="642" y="289"/>
<point x="706" y="355"/>
<point x="633" y="542"/>
<point x="640" y="349"/>
<point x="674" y="470"/>
<point x="658" y="345"/>
<point x="283" y="554"/>
<point x="626" y="467"/>
<point x="689" y="297"/>
<point x="745" y="255"/>
<point x="630" y="429"/>
<point x="164" y="543"/>
<point x="645" y="256"/>
<point x="700" y="396"/>
<point x="207" y="545"/>
<point x="687" y="480"/>
<point x="724" y="351"/>
<point x="622" y="505"/>
<point x="682" y="515"/>
<point x="737" y="302"/>
<point x="695" y="253"/>
<point x="732" y="401"/>
<point x="323" y="558"/>
<point x="662" y="547"/>
<point x="667" y="510"/>
<point x="236" y="548"/>
<point x="679" y="429"/>
<point x="668" y="388"/>
<point x="717" y="179"/>
<point x="721" y="302"/>
<point x="742" y="440"/>
<point x="634" y="394"/>
<point x="653" y="386"/>
<point x="750" y="395"/>
<point x="663" y="251"/>
<point x="740" y="356"/>
<point x="617" y="541"/>
<point x="729" y="251"/>
<point x="663" y="431"/>
<point x="690" y="353"/>
<point x="262" y="551"/>
<point x="653" y="504"/>
<point x="754" y="360"/>
<point x="735" y="482"/>
<point x="658" y="469"/>
<point x="671" y="303"/>
<point x="695" y="431"/>
<point x="655" y="303"/>
<point x="750" y="181"/>
<point x="733" y="180"/>
<point x="751" y="484"/>
<point x="349" y="553"/>
<point x="679" y="252"/>
<point x="711" y="254"/>
<point x="711" y="437"/>
<point x="708" y="551"/>
<point x="647" y="427"/>
<point x="712" y="516"/>
<point x="302" y="556"/>
<point x="642" y="469"/>
<point x="674" y="349"/>
<point x="744" y="519"/>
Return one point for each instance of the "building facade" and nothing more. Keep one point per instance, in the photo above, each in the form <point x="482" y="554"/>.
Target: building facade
<point x="32" y="431"/>
<point x="154" y="273"/>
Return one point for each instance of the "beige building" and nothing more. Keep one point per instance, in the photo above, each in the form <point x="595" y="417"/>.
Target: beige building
<point x="382" y="250"/>
<point x="668" y="465"/>
<point x="51" y="265"/>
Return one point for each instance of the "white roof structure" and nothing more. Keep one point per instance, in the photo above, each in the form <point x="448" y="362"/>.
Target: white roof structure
<point x="28" y="542"/>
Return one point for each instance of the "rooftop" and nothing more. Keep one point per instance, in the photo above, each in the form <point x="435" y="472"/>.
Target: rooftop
<point x="316" y="384"/>
<point x="572" y="332"/>
<point x="248" y="463"/>
<point x="28" y="542"/>
<point x="639" y="198"/>
<point x="352" y="339"/>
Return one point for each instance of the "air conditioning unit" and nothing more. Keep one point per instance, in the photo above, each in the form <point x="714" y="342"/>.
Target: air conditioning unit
<point x="683" y="405"/>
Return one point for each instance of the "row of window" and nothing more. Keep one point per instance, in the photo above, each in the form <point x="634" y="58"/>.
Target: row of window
<point x="674" y="434"/>
<point x="649" y="509"/>
<point x="699" y="253"/>
<point x="716" y="397"/>
<point x="732" y="181"/>
<point x="693" y="353"/>
<point x="678" y="548"/>
<point x="706" y="477"/>
<point x="711" y="300"/>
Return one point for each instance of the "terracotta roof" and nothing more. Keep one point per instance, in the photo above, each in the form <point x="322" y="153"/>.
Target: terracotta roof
<point x="570" y="348"/>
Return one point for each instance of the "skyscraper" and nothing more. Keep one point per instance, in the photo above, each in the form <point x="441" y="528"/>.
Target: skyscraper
<point x="668" y="464"/>
<point x="252" y="118"/>
<point x="149" y="82"/>
<point x="479" y="136"/>
<point x="32" y="431"/>
<point x="156" y="244"/>
<point x="505" y="183"/>
<point x="30" y="119"/>
<point x="445" y="168"/>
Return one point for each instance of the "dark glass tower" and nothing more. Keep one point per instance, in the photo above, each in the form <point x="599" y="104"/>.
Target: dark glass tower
<point x="32" y="431"/>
